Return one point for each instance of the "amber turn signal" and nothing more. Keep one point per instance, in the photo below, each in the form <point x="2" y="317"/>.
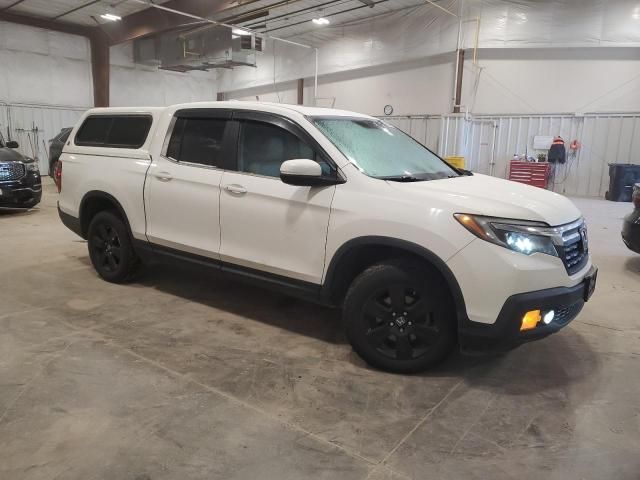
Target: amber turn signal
<point x="530" y="320"/>
<point x="471" y="224"/>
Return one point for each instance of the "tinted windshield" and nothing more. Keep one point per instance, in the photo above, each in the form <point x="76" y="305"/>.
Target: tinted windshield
<point x="383" y="151"/>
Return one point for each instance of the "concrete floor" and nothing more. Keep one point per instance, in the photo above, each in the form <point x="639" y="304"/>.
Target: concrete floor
<point x="186" y="375"/>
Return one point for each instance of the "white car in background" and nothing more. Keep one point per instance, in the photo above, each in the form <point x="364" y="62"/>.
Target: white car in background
<point x="334" y="207"/>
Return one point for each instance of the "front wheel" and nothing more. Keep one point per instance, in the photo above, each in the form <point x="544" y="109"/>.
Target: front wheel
<point x="110" y="248"/>
<point x="398" y="318"/>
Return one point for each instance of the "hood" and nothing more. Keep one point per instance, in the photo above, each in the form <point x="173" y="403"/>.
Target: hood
<point x="10" y="155"/>
<point x="495" y="197"/>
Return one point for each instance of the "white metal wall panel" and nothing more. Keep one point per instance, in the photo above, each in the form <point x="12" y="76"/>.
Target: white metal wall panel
<point x="22" y="120"/>
<point x="488" y="143"/>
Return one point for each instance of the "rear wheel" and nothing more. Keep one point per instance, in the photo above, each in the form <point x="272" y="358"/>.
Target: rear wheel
<point x="110" y="247"/>
<point x="398" y="318"/>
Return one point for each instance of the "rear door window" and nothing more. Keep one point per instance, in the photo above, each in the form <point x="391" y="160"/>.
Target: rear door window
<point x="197" y="140"/>
<point x="128" y="132"/>
<point x="94" y="131"/>
<point x="114" y="131"/>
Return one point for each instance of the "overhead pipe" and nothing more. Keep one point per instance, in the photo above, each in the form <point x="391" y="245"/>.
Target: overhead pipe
<point x="442" y="8"/>
<point x="328" y="16"/>
<point x="457" y="99"/>
<point x="457" y="87"/>
<point x="295" y="12"/>
<point x="315" y="81"/>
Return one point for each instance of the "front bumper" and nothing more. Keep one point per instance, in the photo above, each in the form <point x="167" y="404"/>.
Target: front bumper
<point x="23" y="193"/>
<point x="631" y="231"/>
<point x="505" y="333"/>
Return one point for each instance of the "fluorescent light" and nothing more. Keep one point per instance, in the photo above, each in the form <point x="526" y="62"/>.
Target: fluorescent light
<point x="239" y="31"/>
<point x="321" y="21"/>
<point x="111" y="17"/>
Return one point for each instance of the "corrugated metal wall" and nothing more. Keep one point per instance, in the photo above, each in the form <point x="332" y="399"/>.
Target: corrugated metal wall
<point x="489" y="143"/>
<point x="20" y="122"/>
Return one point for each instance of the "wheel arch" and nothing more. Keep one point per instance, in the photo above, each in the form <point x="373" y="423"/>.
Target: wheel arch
<point x="96" y="201"/>
<point x="357" y="254"/>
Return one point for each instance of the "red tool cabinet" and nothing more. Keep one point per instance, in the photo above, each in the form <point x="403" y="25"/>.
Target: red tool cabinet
<point x="531" y="173"/>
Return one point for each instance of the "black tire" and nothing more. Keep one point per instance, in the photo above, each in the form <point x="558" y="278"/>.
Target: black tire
<point x="398" y="318"/>
<point x="110" y="248"/>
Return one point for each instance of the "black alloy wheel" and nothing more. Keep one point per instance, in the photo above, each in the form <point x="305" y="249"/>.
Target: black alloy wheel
<point x="400" y="317"/>
<point x="401" y="322"/>
<point x="107" y="247"/>
<point x="110" y="247"/>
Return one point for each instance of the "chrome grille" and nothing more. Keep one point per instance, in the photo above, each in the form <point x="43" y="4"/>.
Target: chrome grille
<point x="11" y="171"/>
<point x="574" y="250"/>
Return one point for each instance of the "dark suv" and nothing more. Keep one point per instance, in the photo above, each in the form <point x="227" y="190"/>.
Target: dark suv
<point x="55" y="148"/>
<point x="631" y="225"/>
<point x="20" y="185"/>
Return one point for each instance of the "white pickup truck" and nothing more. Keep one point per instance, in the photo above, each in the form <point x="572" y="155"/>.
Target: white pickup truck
<point x="334" y="207"/>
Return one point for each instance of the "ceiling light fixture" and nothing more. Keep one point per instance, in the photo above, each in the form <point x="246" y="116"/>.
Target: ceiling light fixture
<point x="239" y="31"/>
<point x="321" y="21"/>
<point x="111" y="17"/>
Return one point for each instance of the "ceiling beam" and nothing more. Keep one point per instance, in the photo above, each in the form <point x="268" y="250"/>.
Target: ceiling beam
<point x="75" y="9"/>
<point x="11" y="5"/>
<point x="45" y="23"/>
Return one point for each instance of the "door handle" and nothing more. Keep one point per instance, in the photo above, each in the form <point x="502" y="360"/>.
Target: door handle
<point x="164" y="176"/>
<point x="235" y="189"/>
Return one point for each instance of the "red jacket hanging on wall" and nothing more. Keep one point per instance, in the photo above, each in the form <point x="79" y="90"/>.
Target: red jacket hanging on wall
<point x="557" y="152"/>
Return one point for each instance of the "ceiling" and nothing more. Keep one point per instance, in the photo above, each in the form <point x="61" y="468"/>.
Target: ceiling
<point x="79" y="12"/>
<point x="283" y="18"/>
<point x="295" y="17"/>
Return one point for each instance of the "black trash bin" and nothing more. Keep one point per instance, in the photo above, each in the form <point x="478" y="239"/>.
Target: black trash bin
<point x="622" y="177"/>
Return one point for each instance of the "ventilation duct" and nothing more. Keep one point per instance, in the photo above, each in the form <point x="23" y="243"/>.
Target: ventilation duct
<point x="203" y="48"/>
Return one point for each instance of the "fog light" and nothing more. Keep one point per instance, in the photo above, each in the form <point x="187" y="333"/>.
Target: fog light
<point x="548" y="317"/>
<point x="530" y="320"/>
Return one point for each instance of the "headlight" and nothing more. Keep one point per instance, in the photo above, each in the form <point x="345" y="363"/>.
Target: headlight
<point x="32" y="166"/>
<point x="520" y="236"/>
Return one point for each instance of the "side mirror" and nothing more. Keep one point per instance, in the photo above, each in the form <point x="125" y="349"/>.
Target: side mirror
<point x="11" y="144"/>
<point x="303" y="173"/>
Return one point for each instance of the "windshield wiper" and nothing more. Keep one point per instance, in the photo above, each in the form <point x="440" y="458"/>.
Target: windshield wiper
<point x="403" y="178"/>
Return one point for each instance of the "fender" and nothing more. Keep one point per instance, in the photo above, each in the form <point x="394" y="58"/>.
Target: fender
<point x="99" y="194"/>
<point x="354" y="244"/>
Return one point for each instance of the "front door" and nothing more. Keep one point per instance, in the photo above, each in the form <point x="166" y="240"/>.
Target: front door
<point x="266" y="224"/>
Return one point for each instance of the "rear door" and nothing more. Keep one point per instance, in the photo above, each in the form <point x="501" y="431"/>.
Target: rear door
<point x="182" y="191"/>
<point x="266" y="224"/>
